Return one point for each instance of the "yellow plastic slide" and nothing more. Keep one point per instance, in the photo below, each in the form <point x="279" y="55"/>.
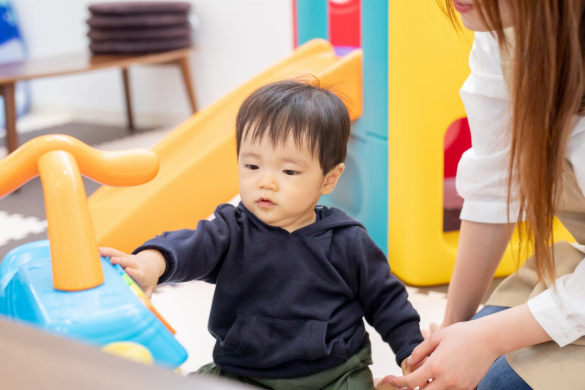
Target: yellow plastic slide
<point x="198" y="166"/>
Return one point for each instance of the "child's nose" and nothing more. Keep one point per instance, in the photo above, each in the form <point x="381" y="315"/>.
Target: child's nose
<point x="267" y="182"/>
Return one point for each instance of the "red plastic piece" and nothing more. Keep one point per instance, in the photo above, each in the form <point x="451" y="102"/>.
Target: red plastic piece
<point x="457" y="141"/>
<point x="344" y="23"/>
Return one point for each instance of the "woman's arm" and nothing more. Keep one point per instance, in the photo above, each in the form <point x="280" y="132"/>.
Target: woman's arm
<point x="461" y="354"/>
<point x="481" y="247"/>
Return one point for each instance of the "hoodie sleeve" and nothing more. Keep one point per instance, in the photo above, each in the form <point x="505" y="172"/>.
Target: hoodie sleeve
<point x="384" y="298"/>
<point x="195" y="254"/>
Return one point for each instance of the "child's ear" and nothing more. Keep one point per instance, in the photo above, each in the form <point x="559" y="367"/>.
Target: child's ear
<point x="331" y="178"/>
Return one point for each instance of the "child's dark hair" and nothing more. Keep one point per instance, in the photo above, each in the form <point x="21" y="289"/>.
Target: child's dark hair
<point x="305" y="110"/>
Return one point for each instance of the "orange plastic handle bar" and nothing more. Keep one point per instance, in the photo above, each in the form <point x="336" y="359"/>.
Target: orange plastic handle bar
<point x="60" y="160"/>
<point x="125" y="168"/>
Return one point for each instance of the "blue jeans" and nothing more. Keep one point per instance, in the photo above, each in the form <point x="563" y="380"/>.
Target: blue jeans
<point x="500" y="375"/>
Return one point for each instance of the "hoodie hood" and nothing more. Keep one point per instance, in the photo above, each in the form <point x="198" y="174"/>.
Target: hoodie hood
<point x="327" y="218"/>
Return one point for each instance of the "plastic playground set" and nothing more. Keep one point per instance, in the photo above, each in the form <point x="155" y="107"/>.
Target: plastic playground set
<point x="398" y="64"/>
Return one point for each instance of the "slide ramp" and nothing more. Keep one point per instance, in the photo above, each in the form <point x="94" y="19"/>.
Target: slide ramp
<point x="198" y="164"/>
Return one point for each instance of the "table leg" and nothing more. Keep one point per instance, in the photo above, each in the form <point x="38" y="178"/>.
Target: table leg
<point x="126" y="77"/>
<point x="186" y="71"/>
<point x="8" y="92"/>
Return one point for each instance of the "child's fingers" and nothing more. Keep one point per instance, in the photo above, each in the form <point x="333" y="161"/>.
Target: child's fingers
<point x="124" y="261"/>
<point x="133" y="273"/>
<point x="110" y="252"/>
<point x="136" y="275"/>
<point x="148" y="292"/>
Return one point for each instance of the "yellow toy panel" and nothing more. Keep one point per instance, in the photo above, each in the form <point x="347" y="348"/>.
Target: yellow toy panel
<point x="428" y="63"/>
<point x="198" y="167"/>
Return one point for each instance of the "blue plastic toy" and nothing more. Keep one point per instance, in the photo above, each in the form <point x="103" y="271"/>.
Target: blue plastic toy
<point x="65" y="287"/>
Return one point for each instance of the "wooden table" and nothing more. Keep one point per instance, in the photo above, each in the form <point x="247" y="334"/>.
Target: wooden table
<point x="14" y="72"/>
<point x="33" y="359"/>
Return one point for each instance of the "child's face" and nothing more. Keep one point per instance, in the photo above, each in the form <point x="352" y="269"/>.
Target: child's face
<point x="281" y="185"/>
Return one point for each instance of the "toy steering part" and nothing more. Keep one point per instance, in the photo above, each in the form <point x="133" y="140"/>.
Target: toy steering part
<point x="60" y="161"/>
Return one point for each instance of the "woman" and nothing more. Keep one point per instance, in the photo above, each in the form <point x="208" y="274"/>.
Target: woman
<point x="524" y="100"/>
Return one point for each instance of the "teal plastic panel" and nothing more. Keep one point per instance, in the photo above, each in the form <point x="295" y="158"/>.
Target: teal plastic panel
<point x="312" y="20"/>
<point x="375" y="70"/>
<point x="362" y="191"/>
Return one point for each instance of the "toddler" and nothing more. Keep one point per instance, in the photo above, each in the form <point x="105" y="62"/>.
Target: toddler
<point x="294" y="280"/>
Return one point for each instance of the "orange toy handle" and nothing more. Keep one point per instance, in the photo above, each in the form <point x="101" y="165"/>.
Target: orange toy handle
<point x="126" y="168"/>
<point x="60" y="161"/>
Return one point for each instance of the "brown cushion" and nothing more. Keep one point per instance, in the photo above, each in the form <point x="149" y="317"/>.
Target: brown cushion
<point x="100" y="34"/>
<point x="138" y="21"/>
<point x="124" y="8"/>
<point x="138" y="46"/>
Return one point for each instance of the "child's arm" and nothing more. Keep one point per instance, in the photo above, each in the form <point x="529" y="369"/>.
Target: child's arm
<point x="384" y="298"/>
<point x="145" y="267"/>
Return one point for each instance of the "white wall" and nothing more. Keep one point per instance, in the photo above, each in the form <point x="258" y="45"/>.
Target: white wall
<point x="235" y="39"/>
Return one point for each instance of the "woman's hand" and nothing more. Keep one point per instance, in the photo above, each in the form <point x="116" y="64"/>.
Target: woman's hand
<point x="432" y="329"/>
<point x="459" y="357"/>
<point x="144" y="268"/>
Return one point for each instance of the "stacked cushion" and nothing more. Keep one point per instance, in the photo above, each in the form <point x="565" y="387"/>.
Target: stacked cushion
<point x="139" y="27"/>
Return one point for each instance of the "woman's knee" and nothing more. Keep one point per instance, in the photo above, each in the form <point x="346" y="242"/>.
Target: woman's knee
<point x="502" y="377"/>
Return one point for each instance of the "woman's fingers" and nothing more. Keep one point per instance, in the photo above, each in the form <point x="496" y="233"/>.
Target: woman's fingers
<point x="434" y="327"/>
<point x="385" y="386"/>
<point x="423" y="350"/>
<point x="422" y="369"/>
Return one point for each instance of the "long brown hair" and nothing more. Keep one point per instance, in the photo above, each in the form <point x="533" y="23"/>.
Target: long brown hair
<point x="547" y="91"/>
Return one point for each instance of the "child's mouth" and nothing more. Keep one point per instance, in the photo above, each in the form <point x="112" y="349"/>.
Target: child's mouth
<point x="263" y="202"/>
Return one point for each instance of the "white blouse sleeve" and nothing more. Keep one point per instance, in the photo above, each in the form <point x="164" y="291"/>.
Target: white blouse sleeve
<point x="561" y="311"/>
<point x="482" y="173"/>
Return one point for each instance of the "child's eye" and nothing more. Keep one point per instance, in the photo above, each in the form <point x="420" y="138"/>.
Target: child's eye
<point x="290" y="172"/>
<point x="251" y="166"/>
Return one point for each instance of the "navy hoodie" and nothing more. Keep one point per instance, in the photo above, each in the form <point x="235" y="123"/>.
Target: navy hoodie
<point x="290" y="304"/>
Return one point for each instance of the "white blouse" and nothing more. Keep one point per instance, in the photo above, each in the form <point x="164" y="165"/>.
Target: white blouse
<point x="482" y="180"/>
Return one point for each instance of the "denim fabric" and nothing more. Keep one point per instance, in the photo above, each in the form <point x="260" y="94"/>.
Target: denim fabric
<point x="488" y="310"/>
<point x="500" y="375"/>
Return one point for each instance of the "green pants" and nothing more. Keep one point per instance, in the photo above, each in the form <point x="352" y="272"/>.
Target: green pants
<point x="354" y="374"/>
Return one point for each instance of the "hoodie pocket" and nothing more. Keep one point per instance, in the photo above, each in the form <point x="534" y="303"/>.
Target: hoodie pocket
<point x="262" y="342"/>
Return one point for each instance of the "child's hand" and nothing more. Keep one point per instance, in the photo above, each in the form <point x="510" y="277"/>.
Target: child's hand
<point x="144" y="268"/>
<point x="406" y="369"/>
<point x="384" y="383"/>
